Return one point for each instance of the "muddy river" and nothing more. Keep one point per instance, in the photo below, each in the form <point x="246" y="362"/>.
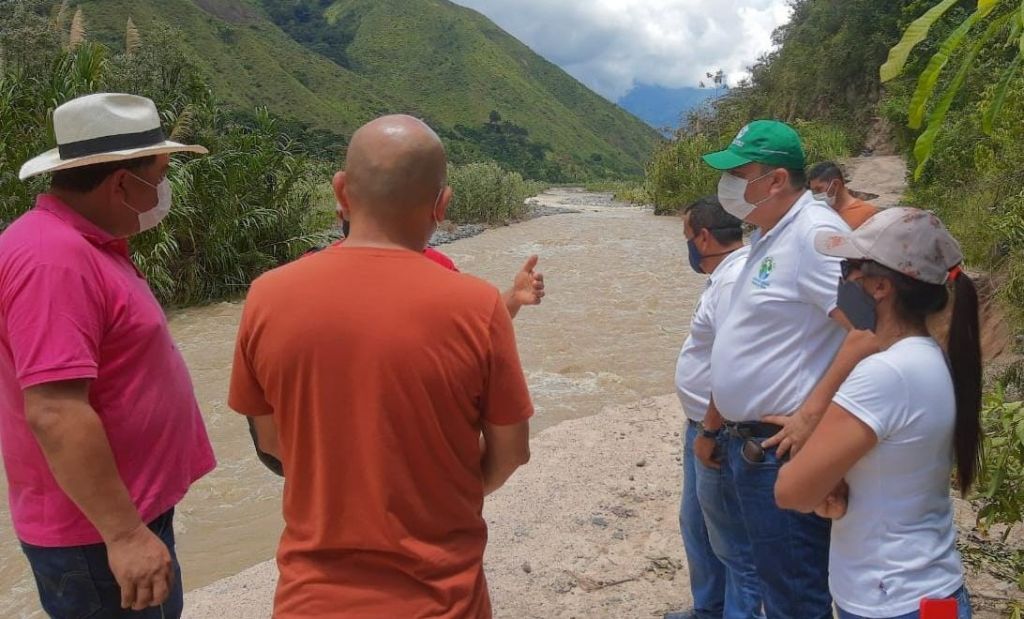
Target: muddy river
<point x="620" y="296"/>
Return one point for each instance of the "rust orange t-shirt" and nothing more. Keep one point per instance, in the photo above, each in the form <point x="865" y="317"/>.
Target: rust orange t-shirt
<point x="379" y="367"/>
<point x="857" y="212"/>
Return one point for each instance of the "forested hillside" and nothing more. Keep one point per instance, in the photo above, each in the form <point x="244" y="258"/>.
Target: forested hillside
<point x="324" y="67"/>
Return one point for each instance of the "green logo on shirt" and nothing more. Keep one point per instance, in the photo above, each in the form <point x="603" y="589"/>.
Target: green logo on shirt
<point x="764" y="273"/>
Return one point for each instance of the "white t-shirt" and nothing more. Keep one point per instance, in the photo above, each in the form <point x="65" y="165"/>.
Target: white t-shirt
<point x="693" y="370"/>
<point x="897" y="542"/>
<point x="778" y="339"/>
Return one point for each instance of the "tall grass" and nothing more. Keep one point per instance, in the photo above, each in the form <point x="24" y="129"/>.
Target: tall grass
<point x="677" y="175"/>
<point x="824" y="141"/>
<point x="973" y="181"/>
<point x="486" y="193"/>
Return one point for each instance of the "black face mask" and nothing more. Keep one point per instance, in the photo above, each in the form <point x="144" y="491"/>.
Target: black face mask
<point x="857" y="305"/>
<point x="695" y="257"/>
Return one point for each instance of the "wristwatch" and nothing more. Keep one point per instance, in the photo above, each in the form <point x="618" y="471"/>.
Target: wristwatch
<point x="708" y="433"/>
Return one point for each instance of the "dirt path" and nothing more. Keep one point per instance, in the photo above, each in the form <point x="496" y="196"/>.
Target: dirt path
<point x="884" y="176"/>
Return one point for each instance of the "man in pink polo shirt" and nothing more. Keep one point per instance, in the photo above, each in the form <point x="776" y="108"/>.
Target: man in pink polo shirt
<point x="100" y="430"/>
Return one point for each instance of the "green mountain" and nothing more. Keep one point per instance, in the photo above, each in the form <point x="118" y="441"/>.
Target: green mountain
<point x="328" y="66"/>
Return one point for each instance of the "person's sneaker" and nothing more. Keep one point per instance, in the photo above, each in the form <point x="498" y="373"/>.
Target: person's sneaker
<point x="683" y="614"/>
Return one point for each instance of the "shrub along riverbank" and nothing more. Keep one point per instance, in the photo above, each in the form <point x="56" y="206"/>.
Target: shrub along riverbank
<point x="259" y="200"/>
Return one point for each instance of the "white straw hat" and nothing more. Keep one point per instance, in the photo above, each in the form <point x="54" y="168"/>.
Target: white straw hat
<point x="102" y="128"/>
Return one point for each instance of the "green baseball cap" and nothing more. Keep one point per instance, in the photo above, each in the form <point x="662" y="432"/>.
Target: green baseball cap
<point x="769" y="142"/>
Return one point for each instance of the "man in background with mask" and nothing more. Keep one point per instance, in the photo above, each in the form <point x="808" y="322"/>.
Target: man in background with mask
<point x="101" y="432"/>
<point x="781" y="334"/>
<point x="383" y="494"/>
<point x="828" y="184"/>
<point x="723" y="581"/>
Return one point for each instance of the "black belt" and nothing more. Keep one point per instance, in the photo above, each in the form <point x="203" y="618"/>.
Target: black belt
<point x="752" y="429"/>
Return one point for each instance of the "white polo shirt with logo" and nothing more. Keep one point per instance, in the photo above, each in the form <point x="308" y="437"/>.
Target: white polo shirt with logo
<point x="693" y="370"/>
<point x="778" y="340"/>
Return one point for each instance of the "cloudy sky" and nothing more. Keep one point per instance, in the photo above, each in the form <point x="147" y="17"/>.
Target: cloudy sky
<point x="610" y="45"/>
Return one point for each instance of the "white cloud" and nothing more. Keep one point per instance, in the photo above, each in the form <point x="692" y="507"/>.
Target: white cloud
<point x="612" y="45"/>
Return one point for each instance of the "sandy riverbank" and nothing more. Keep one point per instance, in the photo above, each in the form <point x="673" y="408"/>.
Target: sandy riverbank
<point x="587" y="529"/>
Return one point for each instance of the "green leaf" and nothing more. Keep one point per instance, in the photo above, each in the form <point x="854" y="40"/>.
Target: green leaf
<point x="930" y="76"/>
<point x="996" y="482"/>
<point x="925" y="144"/>
<point x="914" y="34"/>
<point x="987" y="5"/>
<point x="994" y="109"/>
<point x="1015" y="30"/>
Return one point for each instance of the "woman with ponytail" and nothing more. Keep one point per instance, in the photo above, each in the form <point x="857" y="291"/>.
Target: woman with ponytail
<point x="903" y="415"/>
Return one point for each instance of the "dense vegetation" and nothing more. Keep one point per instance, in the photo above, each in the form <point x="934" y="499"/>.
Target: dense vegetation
<point x="260" y="198"/>
<point x="325" y="67"/>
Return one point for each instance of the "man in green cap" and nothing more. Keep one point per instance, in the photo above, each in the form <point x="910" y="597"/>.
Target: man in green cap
<point x="776" y="343"/>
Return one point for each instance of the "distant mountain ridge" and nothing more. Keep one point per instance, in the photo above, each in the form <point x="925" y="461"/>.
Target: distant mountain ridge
<point x="665" y="109"/>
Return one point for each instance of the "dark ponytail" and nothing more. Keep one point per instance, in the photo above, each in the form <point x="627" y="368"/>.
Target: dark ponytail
<point x="915" y="302"/>
<point x="964" y="351"/>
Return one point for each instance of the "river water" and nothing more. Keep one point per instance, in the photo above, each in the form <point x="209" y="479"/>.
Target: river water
<point x="619" y="301"/>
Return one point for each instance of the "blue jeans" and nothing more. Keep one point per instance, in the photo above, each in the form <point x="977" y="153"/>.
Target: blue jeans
<point x="963" y="608"/>
<point x="790" y="549"/>
<point x="707" y="573"/>
<point x="728" y="537"/>
<point x="76" y="582"/>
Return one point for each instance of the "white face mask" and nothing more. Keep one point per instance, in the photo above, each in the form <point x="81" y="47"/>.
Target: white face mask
<point x="152" y="218"/>
<point x="827" y="197"/>
<point x="732" y="193"/>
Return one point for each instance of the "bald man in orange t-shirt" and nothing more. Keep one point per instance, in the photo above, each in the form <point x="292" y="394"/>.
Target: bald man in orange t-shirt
<point x="393" y="394"/>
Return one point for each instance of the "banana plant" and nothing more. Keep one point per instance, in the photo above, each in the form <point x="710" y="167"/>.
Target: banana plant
<point x="998" y="17"/>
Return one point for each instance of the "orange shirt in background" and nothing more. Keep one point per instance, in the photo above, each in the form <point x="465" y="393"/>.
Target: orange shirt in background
<point x="379" y="368"/>
<point x="857" y="212"/>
